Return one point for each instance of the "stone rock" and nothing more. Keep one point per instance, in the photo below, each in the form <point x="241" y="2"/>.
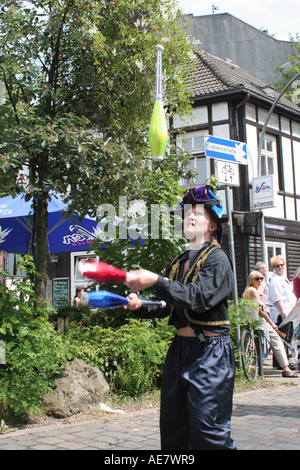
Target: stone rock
<point x="78" y="387"/>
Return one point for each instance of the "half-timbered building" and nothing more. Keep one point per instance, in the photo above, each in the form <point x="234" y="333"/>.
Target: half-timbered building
<point x="230" y="103"/>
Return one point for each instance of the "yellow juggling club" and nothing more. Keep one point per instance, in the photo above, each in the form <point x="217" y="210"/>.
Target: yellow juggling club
<point x="158" y="131"/>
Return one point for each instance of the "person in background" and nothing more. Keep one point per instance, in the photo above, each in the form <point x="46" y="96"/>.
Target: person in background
<point x="78" y="295"/>
<point x="252" y="293"/>
<point x="281" y="295"/>
<point x="263" y="290"/>
<point x="264" y="286"/>
<point x="296" y="283"/>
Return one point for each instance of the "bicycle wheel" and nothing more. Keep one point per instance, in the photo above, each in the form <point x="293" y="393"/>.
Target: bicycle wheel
<point x="249" y="355"/>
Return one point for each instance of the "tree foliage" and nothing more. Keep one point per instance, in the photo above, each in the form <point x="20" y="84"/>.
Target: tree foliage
<point x="287" y="73"/>
<point x="79" y="77"/>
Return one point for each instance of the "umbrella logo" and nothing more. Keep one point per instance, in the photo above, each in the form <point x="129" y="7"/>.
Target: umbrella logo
<point x="82" y="235"/>
<point x="3" y="210"/>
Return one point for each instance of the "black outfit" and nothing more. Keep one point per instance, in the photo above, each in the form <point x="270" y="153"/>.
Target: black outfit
<point x="198" y="377"/>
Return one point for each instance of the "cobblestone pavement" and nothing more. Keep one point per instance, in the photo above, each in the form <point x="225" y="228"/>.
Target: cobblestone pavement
<point x="263" y="419"/>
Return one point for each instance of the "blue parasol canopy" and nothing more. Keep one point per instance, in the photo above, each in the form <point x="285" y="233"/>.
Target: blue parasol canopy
<point x="64" y="234"/>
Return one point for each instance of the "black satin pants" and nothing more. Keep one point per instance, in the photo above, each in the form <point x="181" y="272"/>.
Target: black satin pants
<point x="196" y="396"/>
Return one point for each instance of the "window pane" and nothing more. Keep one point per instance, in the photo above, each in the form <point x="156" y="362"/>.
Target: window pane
<point x="188" y="144"/>
<point x="278" y="251"/>
<point x="269" y="145"/>
<point x="263" y="165"/>
<point x="270" y="256"/>
<point x="201" y="170"/>
<point x="199" y="142"/>
<point x="270" y="166"/>
<point x="191" y="164"/>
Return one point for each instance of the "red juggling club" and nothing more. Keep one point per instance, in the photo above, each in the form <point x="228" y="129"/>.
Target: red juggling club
<point x="101" y="272"/>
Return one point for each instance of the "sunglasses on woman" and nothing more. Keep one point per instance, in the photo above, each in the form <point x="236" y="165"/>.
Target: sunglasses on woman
<point x="258" y="278"/>
<point x="279" y="266"/>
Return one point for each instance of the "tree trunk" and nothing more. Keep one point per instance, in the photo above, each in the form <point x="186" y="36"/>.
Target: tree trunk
<point x="41" y="216"/>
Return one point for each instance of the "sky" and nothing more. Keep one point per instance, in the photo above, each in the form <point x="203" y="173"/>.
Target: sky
<point x="279" y="17"/>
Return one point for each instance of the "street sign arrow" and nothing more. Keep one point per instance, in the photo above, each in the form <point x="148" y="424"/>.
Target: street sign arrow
<point x="226" y="149"/>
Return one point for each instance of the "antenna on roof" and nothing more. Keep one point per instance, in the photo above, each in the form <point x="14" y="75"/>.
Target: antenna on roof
<point x="214" y="8"/>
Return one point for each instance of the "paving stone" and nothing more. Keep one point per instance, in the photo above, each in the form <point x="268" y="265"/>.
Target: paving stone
<point x="265" y="419"/>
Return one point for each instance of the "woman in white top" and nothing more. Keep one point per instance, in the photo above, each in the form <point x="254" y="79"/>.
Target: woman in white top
<point x="270" y="328"/>
<point x="281" y="295"/>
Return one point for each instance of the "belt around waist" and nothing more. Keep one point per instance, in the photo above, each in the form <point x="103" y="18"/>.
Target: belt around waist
<point x="188" y="332"/>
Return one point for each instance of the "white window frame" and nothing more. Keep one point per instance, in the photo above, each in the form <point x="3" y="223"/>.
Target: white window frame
<point x="76" y="279"/>
<point x="198" y="156"/>
<point x="277" y="248"/>
<point x="269" y="155"/>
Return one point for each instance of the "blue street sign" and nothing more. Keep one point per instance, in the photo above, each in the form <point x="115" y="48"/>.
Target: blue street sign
<point x="225" y="149"/>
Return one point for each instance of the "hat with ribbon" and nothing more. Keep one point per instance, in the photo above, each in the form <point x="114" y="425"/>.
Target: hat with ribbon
<point x="205" y="195"/>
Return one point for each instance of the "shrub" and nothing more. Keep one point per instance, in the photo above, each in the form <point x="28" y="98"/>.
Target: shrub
<point x="131" y="357"/>
<point x="34" y="351"/>
<point x="142" y="347"/>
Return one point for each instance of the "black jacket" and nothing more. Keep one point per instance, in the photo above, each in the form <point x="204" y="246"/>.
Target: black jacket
<point x="200" y="298"/>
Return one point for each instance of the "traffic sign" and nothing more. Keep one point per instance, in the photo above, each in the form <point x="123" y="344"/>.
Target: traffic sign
<point x="263" y="192"/>
<point x="225" y="149"/>
<point x="227" y="172"/>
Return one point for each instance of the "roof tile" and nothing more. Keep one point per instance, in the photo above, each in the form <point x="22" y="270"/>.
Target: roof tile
<point x="209" y="74"/>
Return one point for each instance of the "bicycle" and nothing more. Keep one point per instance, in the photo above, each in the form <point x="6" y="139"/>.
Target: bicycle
<point x="251" y="352"/>
<point x="252" y="345"/>
<point x="255" y="344"/>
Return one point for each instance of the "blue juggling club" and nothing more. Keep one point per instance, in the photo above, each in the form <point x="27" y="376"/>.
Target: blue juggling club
<point x="103" y="300"/>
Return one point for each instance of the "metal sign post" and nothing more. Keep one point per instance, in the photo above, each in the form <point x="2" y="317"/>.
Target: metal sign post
<point x="231" y="242"/>
<point x="228" y="155"/>
<point x="263" y="198"/>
